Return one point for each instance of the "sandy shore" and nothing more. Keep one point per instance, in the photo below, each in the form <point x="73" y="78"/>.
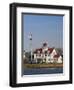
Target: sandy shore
<point x="50" y="65"/>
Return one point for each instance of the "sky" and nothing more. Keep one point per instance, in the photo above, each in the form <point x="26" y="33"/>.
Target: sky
<point x="44" y="28"/>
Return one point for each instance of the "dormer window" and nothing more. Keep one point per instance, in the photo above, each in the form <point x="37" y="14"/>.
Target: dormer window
<point x="48" y="52"/>
<point x="38" y="51"/>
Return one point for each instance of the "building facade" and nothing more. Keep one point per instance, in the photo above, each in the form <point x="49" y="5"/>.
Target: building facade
<point x="47" y="55"/>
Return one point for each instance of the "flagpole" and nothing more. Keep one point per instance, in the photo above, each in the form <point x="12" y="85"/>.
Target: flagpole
<point x="30" y="38"/>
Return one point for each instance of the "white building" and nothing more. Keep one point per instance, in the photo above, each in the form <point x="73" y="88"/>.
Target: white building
<point x="47" y="55"/>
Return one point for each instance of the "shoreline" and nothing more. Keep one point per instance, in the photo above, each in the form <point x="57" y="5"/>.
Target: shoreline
<point x="44" y="65"/>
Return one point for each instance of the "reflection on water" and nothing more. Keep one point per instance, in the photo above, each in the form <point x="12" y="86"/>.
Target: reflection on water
<point x="33" y="71"/>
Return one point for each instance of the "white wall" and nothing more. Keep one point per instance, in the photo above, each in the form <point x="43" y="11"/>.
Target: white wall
<point x="4" y="43"/>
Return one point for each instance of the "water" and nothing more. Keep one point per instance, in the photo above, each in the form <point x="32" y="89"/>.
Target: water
<point x="33" y="71"/>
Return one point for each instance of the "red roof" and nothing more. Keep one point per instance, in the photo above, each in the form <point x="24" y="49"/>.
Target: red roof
<point x="56" y="56"/>
<point x="40" y="49"/>
<point x="50" y="50"/>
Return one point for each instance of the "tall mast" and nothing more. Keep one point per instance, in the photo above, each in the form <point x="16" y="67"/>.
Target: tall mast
<point x="30" y="38"/>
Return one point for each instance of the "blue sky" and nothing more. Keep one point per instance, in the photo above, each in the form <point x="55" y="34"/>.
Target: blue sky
<point x="44" y="28"/>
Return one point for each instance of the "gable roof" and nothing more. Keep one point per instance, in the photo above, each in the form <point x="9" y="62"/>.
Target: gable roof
<point x="56" y="56"/>
<point x="50" y="50"/>
<point x="40" y="49"/>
